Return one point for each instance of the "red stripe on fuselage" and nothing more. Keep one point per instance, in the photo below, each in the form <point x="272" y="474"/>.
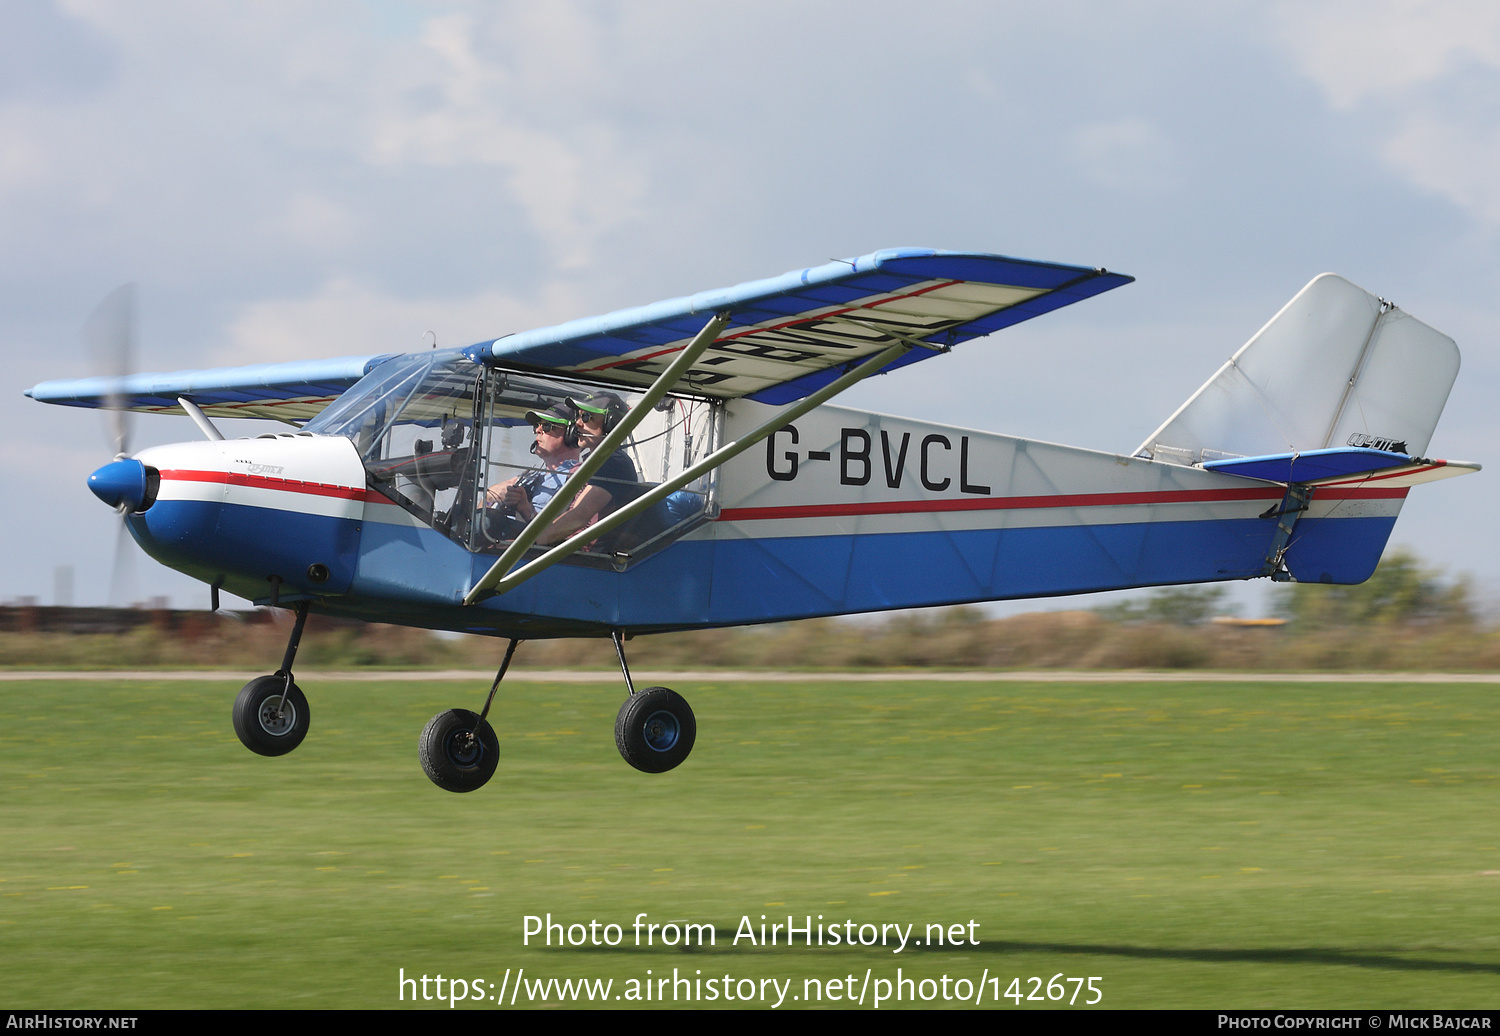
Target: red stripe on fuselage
<point x="745" y="514"/>
<point x="285" y="485"/>
<point x="1020" y="503"/>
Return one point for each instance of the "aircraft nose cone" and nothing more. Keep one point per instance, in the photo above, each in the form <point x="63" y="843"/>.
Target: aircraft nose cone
<point x="120" y="482"/>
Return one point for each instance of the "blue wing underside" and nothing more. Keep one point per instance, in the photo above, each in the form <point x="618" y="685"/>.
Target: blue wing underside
<point x="790" y="335"/>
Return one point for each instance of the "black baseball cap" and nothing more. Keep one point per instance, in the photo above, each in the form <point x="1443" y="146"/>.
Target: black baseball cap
<point x="557" y="413"/>
<point x="602" y="403"/>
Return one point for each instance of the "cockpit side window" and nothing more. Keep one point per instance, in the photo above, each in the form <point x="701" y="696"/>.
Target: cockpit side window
<point x="476" y="452"/>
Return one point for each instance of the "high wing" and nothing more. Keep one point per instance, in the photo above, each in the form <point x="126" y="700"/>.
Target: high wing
<point x="790" y="335"/>
<point x="295" y="391"/>
<point x="787" y="337"/>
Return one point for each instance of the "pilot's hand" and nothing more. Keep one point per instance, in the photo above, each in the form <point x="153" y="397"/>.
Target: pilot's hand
<point x="516" y="497"/>
<point x="500" y="493"/>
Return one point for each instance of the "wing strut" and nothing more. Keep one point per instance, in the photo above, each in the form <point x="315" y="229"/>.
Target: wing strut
<point x="200" y="419"/>
<point x="493" y="583"/>
<point x="580" y="476"/>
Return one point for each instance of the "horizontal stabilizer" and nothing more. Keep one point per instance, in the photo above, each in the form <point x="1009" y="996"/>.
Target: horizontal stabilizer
<point x="1413" y="474"/>
<point x="1346" y="466"/>
<point x="1312" y="466"/>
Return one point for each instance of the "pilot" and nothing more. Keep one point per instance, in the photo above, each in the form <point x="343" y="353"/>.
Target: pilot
<point x="557" y="447"/>
<point x="614" y="485"/>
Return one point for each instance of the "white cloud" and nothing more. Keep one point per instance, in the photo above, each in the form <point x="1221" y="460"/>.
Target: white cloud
<point x="1429" y="68"/>
<point x="574" y="177"/>
<point x="981" y="85"/>
<point x="294" y="123"/>
<point x="1451" y="158"/>
<point x="315" y="221"/>
<point x="23" y="163"/>
<point x="1361" y="49"/>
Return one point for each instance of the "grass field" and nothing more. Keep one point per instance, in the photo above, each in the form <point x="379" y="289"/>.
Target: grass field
<point x="1208" y="845"/>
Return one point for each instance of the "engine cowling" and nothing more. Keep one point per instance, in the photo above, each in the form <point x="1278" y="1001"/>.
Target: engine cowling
<point x="277" y="515"/>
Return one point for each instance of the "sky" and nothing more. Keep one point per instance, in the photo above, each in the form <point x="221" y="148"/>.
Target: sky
<point x="292" y="180"/>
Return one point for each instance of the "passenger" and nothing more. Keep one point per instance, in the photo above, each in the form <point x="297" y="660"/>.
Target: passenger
<point x="614" y="485"/>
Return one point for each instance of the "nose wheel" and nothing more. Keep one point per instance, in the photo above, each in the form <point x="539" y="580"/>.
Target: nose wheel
<point x="458" y="749"/>
<point x="271" y="715"/>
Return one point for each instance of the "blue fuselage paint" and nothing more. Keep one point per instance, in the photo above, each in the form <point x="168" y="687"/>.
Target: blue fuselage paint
<point x="239" y="547"/>
<point x="417" y="576"/>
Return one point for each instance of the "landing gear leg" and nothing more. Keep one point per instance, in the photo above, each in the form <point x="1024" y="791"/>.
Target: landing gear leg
<point x="459" y="750"/>
<point x="655" y="729"/>
<point x="271" y="714"/>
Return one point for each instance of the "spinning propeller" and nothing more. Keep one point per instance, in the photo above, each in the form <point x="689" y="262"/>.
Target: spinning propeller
<point x="109" y="340"/>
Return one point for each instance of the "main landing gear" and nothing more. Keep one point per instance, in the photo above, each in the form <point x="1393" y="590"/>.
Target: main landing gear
<point x="459" y="750"/>
<point x="654" y="731"/>
<point x="271" y="714"/>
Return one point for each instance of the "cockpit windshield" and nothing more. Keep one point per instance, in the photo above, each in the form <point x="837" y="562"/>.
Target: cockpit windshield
<point x="475" y="452"/>
<point x="401" y="391"/>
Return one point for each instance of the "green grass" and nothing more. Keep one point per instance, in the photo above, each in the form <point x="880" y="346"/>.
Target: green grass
<point x="1214" y="845"/>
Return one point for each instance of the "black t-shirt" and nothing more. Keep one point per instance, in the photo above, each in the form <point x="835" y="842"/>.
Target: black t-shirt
<point x="618" y="478"/>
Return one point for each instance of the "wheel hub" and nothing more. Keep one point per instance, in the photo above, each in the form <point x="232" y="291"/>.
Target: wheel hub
<point x="661" y="731"/>
<point x="464" y="749"/>
<point x="277" y="721"/>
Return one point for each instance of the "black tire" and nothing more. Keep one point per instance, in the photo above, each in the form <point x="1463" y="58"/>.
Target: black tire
<point x="655" y="730"/>
<point x="261" y="727"/>
<point x="459" y="751"/>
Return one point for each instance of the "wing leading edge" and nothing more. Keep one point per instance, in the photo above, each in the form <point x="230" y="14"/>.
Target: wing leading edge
<point x="788" y="336"/>
<point x="295" y="391"/>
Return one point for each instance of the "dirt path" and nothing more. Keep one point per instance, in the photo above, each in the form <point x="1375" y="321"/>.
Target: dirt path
<point x="308" y="676"/>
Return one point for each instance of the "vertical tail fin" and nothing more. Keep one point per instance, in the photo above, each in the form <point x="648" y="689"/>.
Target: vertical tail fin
<point x="1336" y="367"/>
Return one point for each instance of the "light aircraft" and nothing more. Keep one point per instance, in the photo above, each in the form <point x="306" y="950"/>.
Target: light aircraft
<point x="748" y="498"/>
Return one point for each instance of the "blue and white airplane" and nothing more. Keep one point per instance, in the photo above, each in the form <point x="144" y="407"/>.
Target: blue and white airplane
<point x="678" y="466"/>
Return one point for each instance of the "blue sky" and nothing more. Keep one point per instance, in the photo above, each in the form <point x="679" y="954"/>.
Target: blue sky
<point x="286" y="180"/>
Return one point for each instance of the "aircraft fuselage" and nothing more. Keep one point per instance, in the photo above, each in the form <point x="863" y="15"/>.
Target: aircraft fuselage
<point x="842" y="511"/>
